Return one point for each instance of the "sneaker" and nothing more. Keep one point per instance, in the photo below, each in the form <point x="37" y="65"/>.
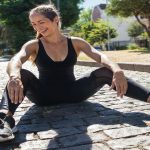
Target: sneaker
<point x="6" y="125"/>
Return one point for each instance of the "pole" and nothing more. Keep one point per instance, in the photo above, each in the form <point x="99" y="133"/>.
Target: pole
<point x="108" y="32"/>
<point x="58" y="4"/>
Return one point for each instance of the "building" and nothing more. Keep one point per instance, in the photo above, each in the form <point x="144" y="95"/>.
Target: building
<point x="120" y="24"/>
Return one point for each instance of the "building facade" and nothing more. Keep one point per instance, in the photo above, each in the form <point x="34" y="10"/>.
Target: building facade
<point x="120" y="24"/>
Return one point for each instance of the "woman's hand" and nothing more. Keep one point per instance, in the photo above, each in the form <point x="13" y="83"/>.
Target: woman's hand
<point x="15" y="90"/>
<point x="120" y="83"/>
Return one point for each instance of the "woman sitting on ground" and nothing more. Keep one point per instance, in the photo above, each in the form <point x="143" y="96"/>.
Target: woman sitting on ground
<point x="55" y="56"/>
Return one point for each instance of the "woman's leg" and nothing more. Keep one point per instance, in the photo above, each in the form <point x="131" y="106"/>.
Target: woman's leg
<point x="32" y="89"/>
<point x="88" y="85"/>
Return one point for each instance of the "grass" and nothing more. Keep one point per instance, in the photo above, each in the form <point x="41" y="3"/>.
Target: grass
<point x="124" y="56"/>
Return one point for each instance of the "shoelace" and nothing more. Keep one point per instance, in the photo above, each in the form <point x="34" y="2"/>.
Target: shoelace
<point x="2" y="122"/>
<point x="2" y="125"/>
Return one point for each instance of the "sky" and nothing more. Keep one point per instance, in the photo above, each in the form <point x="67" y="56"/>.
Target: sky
<point x="91" y="3"/>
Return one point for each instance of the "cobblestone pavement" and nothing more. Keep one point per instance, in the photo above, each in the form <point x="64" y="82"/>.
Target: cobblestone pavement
<point x="103" y="122"/>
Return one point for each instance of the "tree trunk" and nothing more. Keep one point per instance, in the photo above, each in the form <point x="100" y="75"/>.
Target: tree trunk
<point x="148" y="43"/>
<point x="147" y="28"/>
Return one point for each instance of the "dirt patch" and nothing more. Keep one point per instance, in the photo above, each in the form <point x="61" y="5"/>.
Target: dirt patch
<point x="124" y="56"/>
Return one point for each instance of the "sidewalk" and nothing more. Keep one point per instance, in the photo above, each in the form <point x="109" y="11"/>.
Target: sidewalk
<point x="103" y="122"/>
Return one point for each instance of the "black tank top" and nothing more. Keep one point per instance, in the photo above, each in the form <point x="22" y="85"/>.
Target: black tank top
<point x="56" y="71"/>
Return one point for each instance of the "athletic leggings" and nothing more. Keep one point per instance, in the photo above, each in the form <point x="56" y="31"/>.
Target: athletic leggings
<point x="77" y="91"/>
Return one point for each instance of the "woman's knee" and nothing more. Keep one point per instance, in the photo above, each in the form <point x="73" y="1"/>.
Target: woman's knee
<point x="103" y="72"/>
<point x="102" y="76"/>
<point x="26" y="75"/>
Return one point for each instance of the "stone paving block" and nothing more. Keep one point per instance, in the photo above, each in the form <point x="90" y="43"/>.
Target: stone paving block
<point x="31" y="116"/>
<point x="26" y="105"/>
<point x="50" y="118"/>
<point x="39" y="121"/>
<point x="124" y="110"/>
<point x="146" y="112"/>
<point x="5" y="147"/>
<point x="81" y="115"/>
<point x="98" y="127"/>
<point x="63" y="111"/>
<point x="23" y="137"/>
<point x="94" y="107"/>
<point x="126" y="132"/>
<point x="47" y="134"/>
<point x="110" y="112"/>
<point x="39" y="145"/>
<point x="68" y="123"/>
<point x="126" y="143"/>
<point x="19" y="113"/>
<point x="62" y="132"/>
<point x="122" y="106"/>
<point x="132" y="149"/>
<point x="19" y="109"/>
<point x="145" y="107"/>
<point x="82" y="139"/>
<point x="105" y="120"/>
<point x="20" y="121"/>
<point x="97" y="146"/>
<point x="146" y="147"/>
<point x="134" y="122"/>
<point x="33" y="128"/>
<point x="137" y="102"/>
<point x="105" y="104"/>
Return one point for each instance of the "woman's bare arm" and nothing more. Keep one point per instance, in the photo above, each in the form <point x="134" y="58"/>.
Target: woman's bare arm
<point x="15" y="64"/>
<point x="15" y="86"/>
<point x="119" y="81"/>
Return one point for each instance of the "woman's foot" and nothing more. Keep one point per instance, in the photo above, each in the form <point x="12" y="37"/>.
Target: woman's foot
<point x="6" y="125"/>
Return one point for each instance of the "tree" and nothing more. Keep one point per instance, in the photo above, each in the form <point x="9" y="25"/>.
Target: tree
<point x="135" y="30"/>
<point x="137" y="8"/>
<point x="99" y="32"/>
<point x="14" y="16"/>
<point x="84" y="18"/>
<point x="96" y="33"/>
<point x="85" y="15"/>
<point x="69" y="11"/>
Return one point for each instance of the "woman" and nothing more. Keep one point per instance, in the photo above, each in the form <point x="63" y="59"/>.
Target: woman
<point x="55" y="56"/>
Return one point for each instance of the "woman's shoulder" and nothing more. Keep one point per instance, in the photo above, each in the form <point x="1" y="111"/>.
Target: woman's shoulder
<point x="33" y="42"/>
<point x="76" y="39"/>
<point x="78" y="42"/>
<point x="31" y="45"/>
<point x="31" y="48"/>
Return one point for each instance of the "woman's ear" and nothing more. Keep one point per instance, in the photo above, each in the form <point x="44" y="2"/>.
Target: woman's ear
<point x="56" y="19"/>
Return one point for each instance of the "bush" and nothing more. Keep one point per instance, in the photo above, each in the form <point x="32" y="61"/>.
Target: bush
<point x="123" y="47"/>
<point x="133" y="46"/>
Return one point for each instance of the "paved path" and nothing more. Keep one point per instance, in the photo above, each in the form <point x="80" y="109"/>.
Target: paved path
<point x="102" y="123"/>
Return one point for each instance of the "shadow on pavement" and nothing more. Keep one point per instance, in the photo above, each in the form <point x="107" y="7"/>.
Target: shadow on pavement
<point x="67" y="124"/>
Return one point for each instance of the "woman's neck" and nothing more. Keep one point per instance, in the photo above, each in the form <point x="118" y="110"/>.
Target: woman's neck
<point x="54" y="39"/>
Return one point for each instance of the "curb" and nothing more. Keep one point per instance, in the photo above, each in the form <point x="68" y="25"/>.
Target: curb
<point x="142" y="67"/>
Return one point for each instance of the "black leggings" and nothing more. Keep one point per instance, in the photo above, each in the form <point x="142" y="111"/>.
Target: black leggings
<point x="77" y="91"/>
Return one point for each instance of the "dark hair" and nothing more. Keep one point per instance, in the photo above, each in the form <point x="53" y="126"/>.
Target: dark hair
<point x="49" y="11"/>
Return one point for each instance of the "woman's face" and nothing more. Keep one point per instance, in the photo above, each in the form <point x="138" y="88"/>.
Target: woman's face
<point x="43" y="25"/>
